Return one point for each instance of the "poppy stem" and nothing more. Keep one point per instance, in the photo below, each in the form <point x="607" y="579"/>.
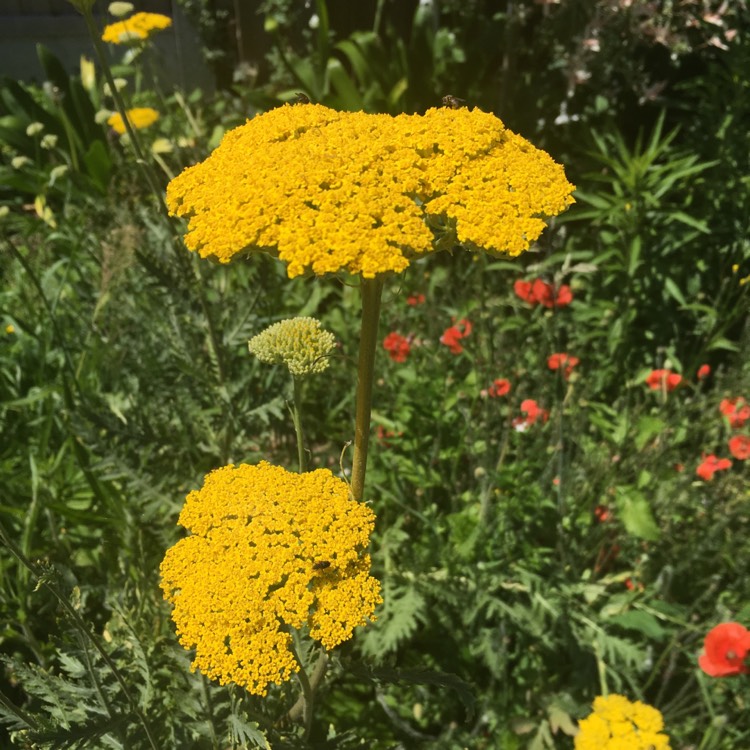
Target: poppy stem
<point x="371" y="291"/>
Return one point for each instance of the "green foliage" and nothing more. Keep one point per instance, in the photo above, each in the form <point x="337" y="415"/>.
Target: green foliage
<point x="526" y="567"/>
<point x="51" y="142"/>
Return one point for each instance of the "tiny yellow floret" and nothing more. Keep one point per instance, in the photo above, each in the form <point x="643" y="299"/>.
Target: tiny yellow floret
<point x="619" y="724"/>
<point x="140" y="117"/>
<point x="269" y="550"/>
<point x="299" y="343"/>
<point x="329" y="191"/>
<point x="138" y="27"/>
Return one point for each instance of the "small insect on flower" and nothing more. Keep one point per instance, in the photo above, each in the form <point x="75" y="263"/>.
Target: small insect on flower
<point x="300" y="98"/>
<point x="453" y="102"/>
<point x="321" y="565"/>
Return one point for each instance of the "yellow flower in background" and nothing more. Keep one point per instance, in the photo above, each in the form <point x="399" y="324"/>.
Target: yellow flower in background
<point x="139" y="26"/>
<point x="140" y="117"/>
<point x="269" y="550"/>
<point x="299" y="343"/>
<point x="619" y="724"/>
<point x="329" y="191"/>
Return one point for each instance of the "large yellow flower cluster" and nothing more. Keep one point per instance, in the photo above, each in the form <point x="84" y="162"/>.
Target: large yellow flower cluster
<point x="619" y="724"/>
<point x="140" y="117"/>
<point x="328" y="191"/>
<point x="139" y="26"/>
<point x="269" y="550"/>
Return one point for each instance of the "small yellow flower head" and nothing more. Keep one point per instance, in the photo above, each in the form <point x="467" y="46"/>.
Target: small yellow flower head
<point x="141" y="117"/>
<point x="138" y="27"/>
<point x="269" y="550"/>
<point x="10" y="329"/>
<point x="618" y="724"/>
<point x="329" y="191"/>
<point x="299" y="343"/>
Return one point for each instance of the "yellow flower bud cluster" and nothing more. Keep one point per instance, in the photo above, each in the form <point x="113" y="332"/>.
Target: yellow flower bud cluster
<point x="299" y="343"/>
<point x="329" y="191"/>
<point x="269" y="550"/>
<point x="138" y="27"/>
<point x="140" y="117"/>
<point x="619" y="724"/>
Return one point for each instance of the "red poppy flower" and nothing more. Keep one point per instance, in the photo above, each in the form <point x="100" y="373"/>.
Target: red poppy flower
<point x="736" y="410"/>
<point x="739" y="447"/>
<point x="539" y="292"/>
<point x="534" y="413"/>
<point x="383" y="435"/>
<point x="561" y="360"/>
<point x="564" y="296"/>
<point x="451" y="336"/>
<point x="523" y="291"/>
<point x="710" y="465"/>
<point x="415" y="299"/>
<point x="602" y="513"/>
<point x="499" y="387"/>
<point x="703" y="372"/>
<point x="658" y="379"/>
<point x="397" y="346"/>
<point x="725" y="648"/>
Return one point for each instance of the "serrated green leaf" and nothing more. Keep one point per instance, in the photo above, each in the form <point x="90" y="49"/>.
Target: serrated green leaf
<point x="640" y="621"/>
<point x="635" y="513"/>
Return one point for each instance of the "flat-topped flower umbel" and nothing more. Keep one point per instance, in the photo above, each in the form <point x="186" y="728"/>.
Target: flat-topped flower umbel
<point x="329" y="191"/>
<point x="269" y="550"/>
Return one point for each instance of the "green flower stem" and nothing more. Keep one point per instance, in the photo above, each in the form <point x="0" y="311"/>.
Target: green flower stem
<point x="156" y="189"/>
<point x="297" y="419"/>
<point x="303" y="708"/>
<point x="371" y="291"/>
<point x="120" y="104"/>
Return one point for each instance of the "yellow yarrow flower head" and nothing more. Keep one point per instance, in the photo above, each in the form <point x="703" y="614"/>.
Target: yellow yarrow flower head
<point x="299" y="343"/>
<point x="138" y="27"/>
<point x="329" y="191"/>
<point x="619" y="724"/>
<point x="140" y="117"/>
<point x="269" y="550"/>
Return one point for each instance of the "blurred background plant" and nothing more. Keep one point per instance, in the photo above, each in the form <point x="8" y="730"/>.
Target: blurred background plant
<point x="528" y="563"/>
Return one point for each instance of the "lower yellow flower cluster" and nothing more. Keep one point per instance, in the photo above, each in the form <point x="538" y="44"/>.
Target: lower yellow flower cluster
<point x="269" y="550"/>
<point x="331" y="191"/>
<point x="619" y="724"/>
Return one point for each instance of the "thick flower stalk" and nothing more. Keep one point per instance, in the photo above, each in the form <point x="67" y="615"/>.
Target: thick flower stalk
<point x="269" y="550"/>
<point x="139" y="27"/>
<point x="329" y="191"/>
<point x="619" y="724"/>
<point x="302" y="345"/>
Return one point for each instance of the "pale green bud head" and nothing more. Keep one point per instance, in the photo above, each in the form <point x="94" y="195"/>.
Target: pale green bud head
<point x="120" y="9"/>
<point x="299" y="343"/>
<point x="49" y="141"/>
